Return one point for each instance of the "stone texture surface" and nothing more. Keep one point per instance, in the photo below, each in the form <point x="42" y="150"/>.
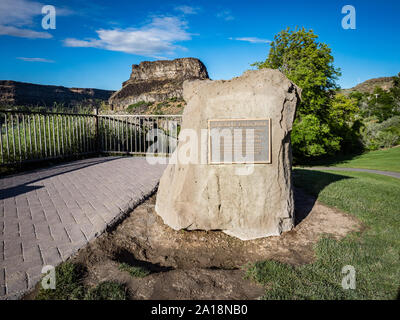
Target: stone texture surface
<point x="22" y="93"/>
<point x="157" y="81"/>
<point x="47" y="215"/>
<point x="209" y="197"/>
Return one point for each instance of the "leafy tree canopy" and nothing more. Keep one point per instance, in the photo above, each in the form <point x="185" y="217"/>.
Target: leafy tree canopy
<point x="322" y="119"/>
<point x="306" y="62"/>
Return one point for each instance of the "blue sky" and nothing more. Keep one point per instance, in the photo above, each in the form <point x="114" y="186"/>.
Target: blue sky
<point x="96" y="42"/>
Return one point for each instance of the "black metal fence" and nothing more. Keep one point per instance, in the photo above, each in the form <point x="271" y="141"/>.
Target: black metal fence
<point x="35" y="136"/>
<point x="138" y="134"/>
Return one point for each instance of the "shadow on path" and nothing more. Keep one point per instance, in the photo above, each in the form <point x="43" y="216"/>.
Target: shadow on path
<point x="43" y="174"/>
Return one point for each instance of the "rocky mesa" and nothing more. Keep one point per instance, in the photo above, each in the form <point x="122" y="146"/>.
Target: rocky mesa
<point x="30" y="94"/>
<point x="153" y="81"/>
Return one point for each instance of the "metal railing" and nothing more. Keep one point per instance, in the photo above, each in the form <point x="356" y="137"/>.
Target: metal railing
<point x="36" y="136"/>
<point x="139" y="134"/>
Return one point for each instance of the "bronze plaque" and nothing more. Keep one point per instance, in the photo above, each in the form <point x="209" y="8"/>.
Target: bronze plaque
<point x="239" y="141"/>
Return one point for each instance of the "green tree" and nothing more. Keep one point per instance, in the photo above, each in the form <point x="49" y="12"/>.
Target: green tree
<point x="306" y="62"/>
<point x="345" y="123"/>
<point x="309" y="64"/>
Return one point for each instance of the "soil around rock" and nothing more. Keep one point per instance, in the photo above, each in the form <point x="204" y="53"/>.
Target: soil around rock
<point x="200" y="264"/>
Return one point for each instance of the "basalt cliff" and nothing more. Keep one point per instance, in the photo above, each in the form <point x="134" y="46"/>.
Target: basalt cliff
<point x="157" y="81"/>
<point x="15" y="93"/>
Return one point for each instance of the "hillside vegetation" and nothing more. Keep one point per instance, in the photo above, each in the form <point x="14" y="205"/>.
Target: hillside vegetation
<point x="369" y="86"/>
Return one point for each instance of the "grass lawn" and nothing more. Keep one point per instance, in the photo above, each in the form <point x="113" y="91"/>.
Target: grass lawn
<point x="69" y="286"/>
<point x="374" y="253"/>
<point x="385" y="160"/>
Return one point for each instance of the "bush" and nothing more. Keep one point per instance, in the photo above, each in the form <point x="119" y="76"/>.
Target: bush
<point x="132" y="108"/>
<point x="311" y="138"/>
<point x="68" y="284"/>
<point x="381" y="135"/>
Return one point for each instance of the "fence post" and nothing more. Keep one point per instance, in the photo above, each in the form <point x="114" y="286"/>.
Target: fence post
<point x="97" y="134"/>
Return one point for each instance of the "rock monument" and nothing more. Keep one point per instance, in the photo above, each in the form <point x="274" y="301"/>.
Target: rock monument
<point x="153" y="81"/>
<point x="213" y="194"/>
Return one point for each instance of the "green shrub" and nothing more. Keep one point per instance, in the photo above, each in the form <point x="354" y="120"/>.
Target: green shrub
<point x="311" y="138"/>
<point x="132" y="108"/>
<point x="381" y="135"/>
<point x="68" y="284"/>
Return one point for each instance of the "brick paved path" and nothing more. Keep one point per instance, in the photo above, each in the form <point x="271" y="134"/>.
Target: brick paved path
<point x="47" y="215"/>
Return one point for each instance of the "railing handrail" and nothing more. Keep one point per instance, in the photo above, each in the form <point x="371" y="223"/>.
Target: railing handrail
<point x="94" y="115"/>
<point x="143" y="115"/>
<point x="47" y="113"/>
<point x="36" y="135"/>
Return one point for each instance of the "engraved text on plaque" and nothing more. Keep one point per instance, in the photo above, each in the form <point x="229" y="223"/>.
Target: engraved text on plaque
<point x="239" y="141"/>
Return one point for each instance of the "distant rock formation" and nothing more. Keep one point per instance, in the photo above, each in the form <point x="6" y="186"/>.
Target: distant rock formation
<point x="369" y="86"/>
<point x="29" y="94"/>
<point x="157" y="81"/>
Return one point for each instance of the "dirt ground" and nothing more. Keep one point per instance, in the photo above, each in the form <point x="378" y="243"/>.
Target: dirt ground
<point x="202" y="264"/>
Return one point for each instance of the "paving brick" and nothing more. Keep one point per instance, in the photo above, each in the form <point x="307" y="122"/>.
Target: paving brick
<point x="13" y="262"/>
<point x="98" y="223"/>
<point x="1" y="250"/>
<point x="26" y="229"/>
<point x="21" y="202"/>
<point x="10" y="212"/>
<point x="51" y="215"/>
<point x="42" y="232"/>
<point x="16" y="282"/>
<point x="50" y="256"/>
<point x="59" y="233"/>
<point x="1" y="210"/>
<point x="34" y="275"/>
<point x="38" y="215"/>
<point x="66" y="217"/>
<point x="33" y="201"/>
<point x="75" y="234"/>
<point x="2" y="277"/>
<point x="12" y="248"/>
<point x="11" y="229"/>
<point x="66" y="250"/>
<point x="23" y="213"/>
<point x="57" y="210"/>
<point x="32" y="255"/>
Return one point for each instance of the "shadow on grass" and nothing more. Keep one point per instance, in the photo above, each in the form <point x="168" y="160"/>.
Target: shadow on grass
<point x="308" y="185"/>
<point x="329" y="161"/>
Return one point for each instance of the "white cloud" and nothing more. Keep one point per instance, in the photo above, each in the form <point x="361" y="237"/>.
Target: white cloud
<point x="19" y="12"/>
<point x="157" y="37"/>
<point x="23" y="33"/>
<point x="251" y="39"/>
<point x="226" y="15"/>
<point x="35" y="59"/>
<point x="188" y="9"/>
<point x="17" y="17"/>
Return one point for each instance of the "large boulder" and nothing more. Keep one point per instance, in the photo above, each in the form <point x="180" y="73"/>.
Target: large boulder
<point x="153" y="81"/>
<point x="199" y="195"/>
